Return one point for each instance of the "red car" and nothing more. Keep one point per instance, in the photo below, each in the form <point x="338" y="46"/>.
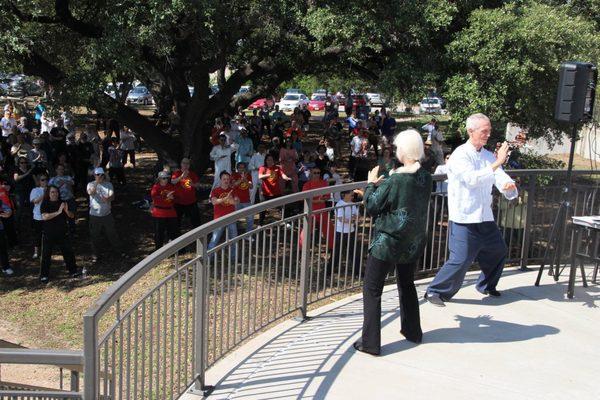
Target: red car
<point x="359" y="100"/>
<point x="260" y="103"/>
<point x="317" y="104"/>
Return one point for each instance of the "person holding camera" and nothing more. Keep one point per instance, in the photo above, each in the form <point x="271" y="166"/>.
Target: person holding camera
<point x="56" y="234"/>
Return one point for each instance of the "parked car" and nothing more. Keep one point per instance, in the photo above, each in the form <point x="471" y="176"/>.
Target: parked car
<point x="21" y="86"/>
<point x="260" y="103"/>
<point x="317" y="103"/>
<point x="139" y="95"/>
<point x="359" y="100"/>
<point x="243" y="90"/>
<point x="375" y="99"/>
<point x="292" y="100"/>
<point x="430" y="105"/>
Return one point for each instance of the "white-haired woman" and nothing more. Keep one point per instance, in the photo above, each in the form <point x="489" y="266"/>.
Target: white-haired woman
<point x="398" y="205"/>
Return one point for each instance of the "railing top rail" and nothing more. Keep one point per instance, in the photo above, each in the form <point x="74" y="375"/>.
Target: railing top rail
<point x="41" y="357"/>
<point x="110" y="296"/>
<point x="21" y="394"/>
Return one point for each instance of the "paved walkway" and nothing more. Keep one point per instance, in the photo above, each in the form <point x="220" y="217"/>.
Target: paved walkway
<point x="532" y="343"/>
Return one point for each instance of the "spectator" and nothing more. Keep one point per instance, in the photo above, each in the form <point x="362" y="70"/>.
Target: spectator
<point x="270" y="175"/>
<point x="442" y="186"/>
<point x="85" y="155"/>
<point x="224" y="201"/>
<point x="257" y="161"/>
<point x="435" y="137"/>
<point x="47" y="123"/>
<point x="265" y="120"/>
<point x="358" y="153"/>
<point x="38" y="157"/>
<point x="127" y="146"/>
<point x="37" y="195"/>
<point x="55" y="233"/>
<point x="39" y="109"/>
<point x="388" y="127"/>
<point x="288" y="157"/>
<point x="7" y="123"/>
<point x="305" y="165"/>
<point x="329" y="149"/>
<point x="322" y="161"/>
<point x="58" y="137"/>
<point x="333" y="178"/>
<point x="23" y="185"/>
<point x="20" y="148"/>
<point x="116" y="172"/>
<point x="242" y="182"/>
<point x="65" y="184"/>
<point x="320" y="219"/>
<point x="352" y="122"/>
<point x="113" y="127"/>
<point x="294" y="128"/>
<point x="346" y="216"/>
<point x="5" y="212"/>
<point x="387" y="162"/>
<point x="8" y="223"/>
<point x="305" y="117"/>
<point x="277" y="114"/>
<point x="101" y="219"/>
<point x="296" y="143"/>
<point x="186" y="183"/>
<point x="221" y="155"/>
<point x="163" y="210"/>
<point x="245" y="147"/>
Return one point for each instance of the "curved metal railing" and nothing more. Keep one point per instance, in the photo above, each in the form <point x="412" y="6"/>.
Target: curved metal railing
<point x="155" y="331"/>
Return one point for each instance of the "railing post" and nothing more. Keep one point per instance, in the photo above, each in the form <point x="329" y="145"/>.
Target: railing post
<point x="74" y="381"/>
<point x="531" y="186"/>
<point x="304" y="261"/>
<point x="90" y="360"/>
<point x="199" y="311"/>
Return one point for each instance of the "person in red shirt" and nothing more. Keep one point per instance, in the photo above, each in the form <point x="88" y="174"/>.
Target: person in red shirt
<point x="242" y="182"/>
<point x="271" y="176"/>
<point x="293" y="128"/>
<point x="224" y="200"/>
<point x="163" y="210"/>
<point x="186" y="182"/>
<point x="318" y="203"/>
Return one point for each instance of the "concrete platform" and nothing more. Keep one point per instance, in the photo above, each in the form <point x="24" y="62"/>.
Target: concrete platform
<point x="532" y="343"/>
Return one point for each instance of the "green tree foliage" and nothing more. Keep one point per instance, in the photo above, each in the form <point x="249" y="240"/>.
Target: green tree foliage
<point x="506" y="63"/>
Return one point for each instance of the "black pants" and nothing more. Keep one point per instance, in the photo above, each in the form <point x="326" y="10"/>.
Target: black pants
<point x="4" y="264"/>
<point x="375" y="274"/>
<point x="117" y="174"/>
<point x="64" y="243"/>
<point x="164" y="229"/>
<point x="37" y="227"/>
<point x="189" y="210"/>
<point x="10" y="228"/>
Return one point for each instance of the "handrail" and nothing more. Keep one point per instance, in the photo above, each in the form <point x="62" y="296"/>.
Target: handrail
<point x="41" y="356"/>
<point x="21" y="394"/>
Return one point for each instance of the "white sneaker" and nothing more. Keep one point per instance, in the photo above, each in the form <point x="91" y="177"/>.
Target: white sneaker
<point x="288" y="226"/>
<point x="35" y="255"/>
<point x="8" y="271"/>
<point x="249" y="238"/>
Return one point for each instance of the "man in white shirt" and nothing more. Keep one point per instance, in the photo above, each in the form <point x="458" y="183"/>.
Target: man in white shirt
<point x="221" y="155"/>
<point x="7" y="123"/>
<point x="474" y="236"/>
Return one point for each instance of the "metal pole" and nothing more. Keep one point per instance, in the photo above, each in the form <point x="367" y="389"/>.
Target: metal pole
<point x="74" y="381"/>
<point x="90" y="371"/>
<point x="529" y="217"/>
<point x="306" y="245"/>
<point x="199" y="339"/>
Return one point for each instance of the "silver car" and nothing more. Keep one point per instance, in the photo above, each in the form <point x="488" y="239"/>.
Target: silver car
<point x="140" y="95"/>
<point x="430" y="105"/>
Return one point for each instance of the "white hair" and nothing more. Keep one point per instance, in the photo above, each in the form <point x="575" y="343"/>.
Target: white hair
<point x="474" y="120"/>
<point x="409" y="145"/>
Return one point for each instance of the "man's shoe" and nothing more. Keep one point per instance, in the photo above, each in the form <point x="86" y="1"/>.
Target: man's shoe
<point x="492" y="292"/>
<point x="8" y="271"/>
<point x="435" y="299"/>
<point x="359" y="347"/>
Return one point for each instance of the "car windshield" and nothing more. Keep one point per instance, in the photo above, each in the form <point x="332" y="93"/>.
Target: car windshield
<point x="139" y="90"/>
<point x="431" y="101"/>
<point x="319" y="98"/>
<point x="291" y="97"/>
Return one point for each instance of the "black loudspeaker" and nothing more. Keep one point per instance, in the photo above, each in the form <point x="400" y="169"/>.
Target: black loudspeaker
<point x="576" y="92"/>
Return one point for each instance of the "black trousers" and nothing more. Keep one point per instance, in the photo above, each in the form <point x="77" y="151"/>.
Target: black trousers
<point x="64" y="243"/>
<point x="165" y="229"/>
<point x="4" y="264"/>
<point x="375" y="274"/>
<point x="189" y="210"/>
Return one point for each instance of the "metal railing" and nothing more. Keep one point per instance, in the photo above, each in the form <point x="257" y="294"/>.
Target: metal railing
<point x="62" y="359"/>
<point x="156" y="330"/>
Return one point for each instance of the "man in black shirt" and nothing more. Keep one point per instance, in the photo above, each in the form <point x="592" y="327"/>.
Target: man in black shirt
<point x="54" y="214"/>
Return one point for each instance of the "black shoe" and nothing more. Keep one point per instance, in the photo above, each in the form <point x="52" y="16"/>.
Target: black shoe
<point x="435" y="299"/>
<point x="359" y="347"/>
<point x="492" y="292"/>
<point x="44" y="279"/>
<point x="414" y="339"/>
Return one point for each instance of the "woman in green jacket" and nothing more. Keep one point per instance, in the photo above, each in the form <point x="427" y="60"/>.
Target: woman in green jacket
<point x="398" y="205"/>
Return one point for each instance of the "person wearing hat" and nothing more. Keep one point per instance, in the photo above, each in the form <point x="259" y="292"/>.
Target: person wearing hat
<point x="186" y="183"/>
<point x="101" y="219"/>
<point x="163" y="210"/>
<point x="221" y="155"/>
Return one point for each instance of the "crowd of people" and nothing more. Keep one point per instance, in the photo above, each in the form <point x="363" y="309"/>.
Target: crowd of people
<point x="45" y="163"/>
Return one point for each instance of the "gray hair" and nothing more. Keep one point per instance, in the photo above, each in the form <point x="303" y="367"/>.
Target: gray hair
<point x="409" y="145"/>
<point x="474" y="120"/>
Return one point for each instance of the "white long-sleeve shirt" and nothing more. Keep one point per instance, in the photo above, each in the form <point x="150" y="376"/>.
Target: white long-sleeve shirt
<point x="470" y="180"/>
<point x="222" y="158"/>
<point x="256" y="161"/>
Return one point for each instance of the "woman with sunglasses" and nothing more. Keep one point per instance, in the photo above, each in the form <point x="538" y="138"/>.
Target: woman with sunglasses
<point x="36" y="197"/>
<point x="56" y="233"/>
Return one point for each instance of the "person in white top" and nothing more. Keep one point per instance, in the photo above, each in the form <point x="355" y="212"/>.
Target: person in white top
<point x="442" y="186"/>
<point x="436" y="138"/>
<point x="7" y="123"/>
<point x="127" y="145"/>
<point x="221" y="155"/>
<point x="344" y="252"/>
<point x="256" y="161"/>
<point x="474" y="236"/>
<point x="36" y="197"/>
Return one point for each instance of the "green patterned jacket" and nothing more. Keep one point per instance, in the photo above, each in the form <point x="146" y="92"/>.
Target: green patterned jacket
<point x="399" y="208"/>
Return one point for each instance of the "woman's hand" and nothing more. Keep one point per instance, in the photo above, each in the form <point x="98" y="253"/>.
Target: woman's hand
<point x="374" y="176"/>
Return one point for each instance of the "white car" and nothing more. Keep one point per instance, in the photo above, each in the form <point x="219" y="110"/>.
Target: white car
<point x="430" y="105"/>
<point x="375" y="99"/>
<point x="140" y="95"/>
<point x="292" y="100"/>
